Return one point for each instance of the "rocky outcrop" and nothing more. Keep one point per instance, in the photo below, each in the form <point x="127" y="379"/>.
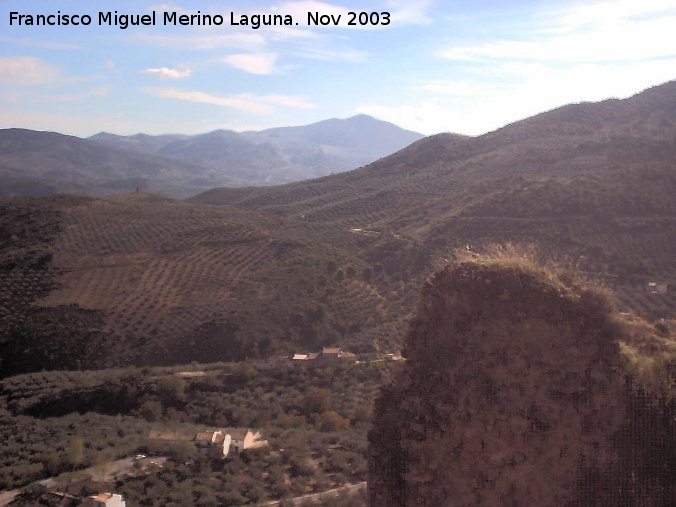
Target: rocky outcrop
<point x="515" y="392"/>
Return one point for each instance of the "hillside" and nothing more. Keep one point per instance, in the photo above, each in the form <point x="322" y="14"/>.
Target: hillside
<point x="593" y="183"/>
<point x="248" y="272"/>
<point x="575" y="140"/>
<point x="277" y="155"/>
<point x="522" y="388"/>
<point x="146" y="280"/>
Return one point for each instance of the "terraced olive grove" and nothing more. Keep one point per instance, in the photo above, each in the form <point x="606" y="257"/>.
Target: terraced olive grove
<point x="168" y="281"/>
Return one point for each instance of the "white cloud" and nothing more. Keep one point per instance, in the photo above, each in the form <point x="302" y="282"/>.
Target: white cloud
<point x="458" y="88"/>
<point x="253" y="63"/>
<point x="607" y="32"/>
<point x="247" y="102"/>
<point x="590" y="14"/>
<point x="482" y="104"/>
<point x="258" y="52"/>
<point x="167" y="73"/>
<point x="234" y="102"/>
<point x="287" y="101"/>
<point x="534" y="87"/>
<point x="583" y="53"/>
<point x="409" y="12"/>
<point x="425" y="116"/>
<point x="26" y="70"/>
<point x="283" y="33"/>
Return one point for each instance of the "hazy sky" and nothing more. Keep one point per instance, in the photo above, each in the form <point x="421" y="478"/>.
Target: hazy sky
<point x="459" y="66"/>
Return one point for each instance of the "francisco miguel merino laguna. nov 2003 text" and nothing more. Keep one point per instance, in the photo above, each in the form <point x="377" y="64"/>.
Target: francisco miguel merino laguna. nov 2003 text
<point x="173" y="18"/>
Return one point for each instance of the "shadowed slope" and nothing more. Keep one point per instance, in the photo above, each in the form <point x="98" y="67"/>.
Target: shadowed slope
<point x="145" y="279"/>
<point x="514" y="393"/>
<point x="593" y="182"/>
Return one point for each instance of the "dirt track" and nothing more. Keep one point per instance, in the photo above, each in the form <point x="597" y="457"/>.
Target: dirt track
<point x="350" y="488"/>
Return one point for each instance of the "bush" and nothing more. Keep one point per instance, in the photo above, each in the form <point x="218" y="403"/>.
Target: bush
<point x="171" y="389"/>
<point x="317" y="401"/>
<point x="184" y="450"/>
<point x="151" y="410"/>
<point x="76" y="452"/>
<point x="288" y="421"/>
<point x="331" y="421"/>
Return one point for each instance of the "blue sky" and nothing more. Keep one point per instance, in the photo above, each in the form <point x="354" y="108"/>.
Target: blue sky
<point x="439" y="66"/>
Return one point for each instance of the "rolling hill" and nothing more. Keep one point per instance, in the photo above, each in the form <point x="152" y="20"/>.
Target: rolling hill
<point x="246" y="272"/>
<point x="43" y="163"/>
<point x="572" y="141"/>
<point x="593" y="183"/>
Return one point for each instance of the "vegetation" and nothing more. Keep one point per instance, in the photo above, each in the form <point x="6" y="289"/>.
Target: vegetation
<point x="165" y="282"/>
<point x="337" y="260"/>
<point x="314" y="418"/>
<point x="138" y="280"/>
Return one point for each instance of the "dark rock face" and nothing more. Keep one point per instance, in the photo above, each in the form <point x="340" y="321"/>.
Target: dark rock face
<point x="514" y="393"/>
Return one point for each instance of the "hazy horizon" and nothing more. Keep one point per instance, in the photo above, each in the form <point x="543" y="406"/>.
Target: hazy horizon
<point x="434" y="68"/>
<point x="201" y="133"/>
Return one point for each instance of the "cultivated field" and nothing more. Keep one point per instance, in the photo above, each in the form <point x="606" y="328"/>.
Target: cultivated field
<point x="169" y="273"/>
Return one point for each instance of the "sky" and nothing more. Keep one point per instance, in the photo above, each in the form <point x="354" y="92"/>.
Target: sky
<point x="464" y="66"/>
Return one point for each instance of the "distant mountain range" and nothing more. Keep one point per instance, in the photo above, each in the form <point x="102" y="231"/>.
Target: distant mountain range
<point x="39" y="163"/>
<point x="43" y="163"/>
